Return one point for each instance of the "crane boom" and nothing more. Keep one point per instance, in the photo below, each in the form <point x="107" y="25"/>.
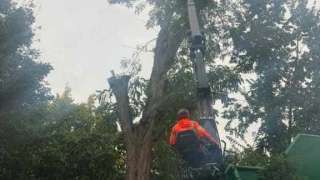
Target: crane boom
<point x="197" y="50"/>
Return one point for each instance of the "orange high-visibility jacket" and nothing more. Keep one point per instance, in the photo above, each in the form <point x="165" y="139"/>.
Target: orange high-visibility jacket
<point x="186" y="124"/>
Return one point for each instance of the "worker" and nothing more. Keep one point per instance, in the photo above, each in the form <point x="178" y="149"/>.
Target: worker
<point x="191" y="140"/>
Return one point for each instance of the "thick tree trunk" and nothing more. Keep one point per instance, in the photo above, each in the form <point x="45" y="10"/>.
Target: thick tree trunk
<point x="139" y="159"/>
<point x="139" y="138"/>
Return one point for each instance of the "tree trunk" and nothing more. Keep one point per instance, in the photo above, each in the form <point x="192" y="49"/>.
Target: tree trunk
<point x="139" y="159"/>
<point x="139" y="137"/>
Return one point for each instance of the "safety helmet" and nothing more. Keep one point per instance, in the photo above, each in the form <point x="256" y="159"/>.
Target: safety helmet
<point x="183" y="113"/>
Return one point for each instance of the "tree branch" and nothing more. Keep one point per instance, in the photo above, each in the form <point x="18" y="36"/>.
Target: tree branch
<point x="168" y="42"/>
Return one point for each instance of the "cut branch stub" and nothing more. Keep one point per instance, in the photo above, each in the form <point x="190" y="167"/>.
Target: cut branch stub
<point x="120" y="87"/>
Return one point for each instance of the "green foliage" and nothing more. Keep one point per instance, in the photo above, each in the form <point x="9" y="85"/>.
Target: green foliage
<point x="21" y="77"/>
<point x="251" y="157"/>
<point x="271" y="40"/>
<point x="73" y="142"/>
<point x="166" y="164"/>
<point x="77" y="157"/>
<point x="23" y="94"/>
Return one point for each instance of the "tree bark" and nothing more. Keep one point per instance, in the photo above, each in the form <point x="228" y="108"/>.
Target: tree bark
<point x="139" y="138"/>
<point x="168" y="42"/>
<point x="139" y="159"/>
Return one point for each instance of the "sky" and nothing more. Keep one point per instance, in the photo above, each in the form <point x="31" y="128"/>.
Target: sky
<point x="84" y="40"/>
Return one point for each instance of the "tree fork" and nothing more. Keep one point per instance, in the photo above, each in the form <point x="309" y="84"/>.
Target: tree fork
<point x="139" y="138"/>
<point x="138" y="145"/>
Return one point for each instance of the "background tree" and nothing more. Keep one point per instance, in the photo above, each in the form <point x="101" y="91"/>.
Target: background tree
<point x="75" y="141"/>
<point x="272" y="40"/>
<point x="22" y="89"/>
<point x="21" y="75"/>
<point x="77" y="144"/>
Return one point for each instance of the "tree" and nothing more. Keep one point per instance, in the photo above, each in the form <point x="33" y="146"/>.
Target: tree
<point x="77" y="144"/>
<point x="271" y="41"/>
<point x="21" y="76"/>
<point x="164" y="94"/>
<point x="73" y="141"/>
<point x="22" y="88"/>
<point x="139" y="139"/>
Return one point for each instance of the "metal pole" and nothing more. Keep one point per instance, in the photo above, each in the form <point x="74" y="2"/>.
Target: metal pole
<point x="197" y="49"/>
<point x="193" y="19"/>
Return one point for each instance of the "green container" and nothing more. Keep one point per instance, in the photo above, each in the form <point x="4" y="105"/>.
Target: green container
<point x="242" y="173"/>
<point x="304" y="155"/>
